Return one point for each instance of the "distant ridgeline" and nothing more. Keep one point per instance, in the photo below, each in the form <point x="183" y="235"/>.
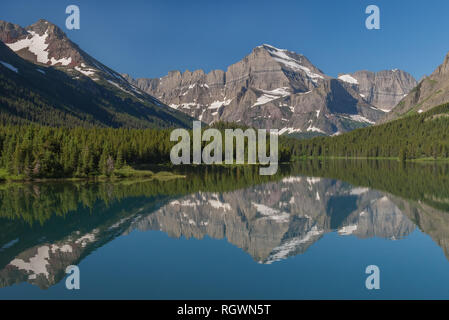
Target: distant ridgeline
<point x="424" y="135"/>
<point x="45" y="152"/>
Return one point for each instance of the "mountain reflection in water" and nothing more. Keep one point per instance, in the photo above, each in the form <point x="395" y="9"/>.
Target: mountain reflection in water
<point x="48" y="226"/>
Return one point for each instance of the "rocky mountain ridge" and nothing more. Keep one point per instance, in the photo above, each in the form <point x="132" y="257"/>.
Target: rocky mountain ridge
<point x="270" y="88"/>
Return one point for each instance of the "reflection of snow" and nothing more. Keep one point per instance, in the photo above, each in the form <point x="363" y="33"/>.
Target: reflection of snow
<point x="291" y="180"/>
<point x="347" y="230"/>
<point x="358" y="191"/>
<point x="282" y="251"/>
<point x="271" y="213"/>
<point x="37" y="264"/>
<point x="218" y="204"/>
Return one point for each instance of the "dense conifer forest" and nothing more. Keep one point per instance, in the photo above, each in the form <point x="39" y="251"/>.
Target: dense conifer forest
<point x="417" y="136"/>
<point x="46" y="152"/>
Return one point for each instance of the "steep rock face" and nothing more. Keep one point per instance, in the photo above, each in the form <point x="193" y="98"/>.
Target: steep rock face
<point x="383" y="89"/>
<point x="430" y="92"/>
<point x="270" y="88"/>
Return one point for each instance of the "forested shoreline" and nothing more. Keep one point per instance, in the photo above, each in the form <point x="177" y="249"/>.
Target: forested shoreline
<point x="47" y="152"/>
<point x="33" y="151"/>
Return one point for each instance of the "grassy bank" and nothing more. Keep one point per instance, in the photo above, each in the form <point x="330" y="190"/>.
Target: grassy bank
<point x="125" y="172"/>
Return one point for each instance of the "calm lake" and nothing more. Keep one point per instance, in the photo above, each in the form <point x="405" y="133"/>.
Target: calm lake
<point x="308" y="232"/>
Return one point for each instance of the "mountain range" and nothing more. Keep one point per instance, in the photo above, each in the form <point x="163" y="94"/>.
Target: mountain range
<point x="279" y="89"/>
<point x="47" y="79"/>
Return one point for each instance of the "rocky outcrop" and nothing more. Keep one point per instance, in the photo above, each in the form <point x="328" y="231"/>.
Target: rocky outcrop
<point x="383" y="89"/>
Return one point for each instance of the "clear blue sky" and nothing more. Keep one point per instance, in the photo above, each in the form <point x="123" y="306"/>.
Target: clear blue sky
<point x="150" y="38"/>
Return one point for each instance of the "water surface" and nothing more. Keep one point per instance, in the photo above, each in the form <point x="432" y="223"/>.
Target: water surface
<point x="307" y="233"/>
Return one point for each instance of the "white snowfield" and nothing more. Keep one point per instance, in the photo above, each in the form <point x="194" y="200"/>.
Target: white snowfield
<point x="271" y="95"/>
<point x="87" y="72"/>
<point x="360" y="118"/>
<point x="348" y="78"/>
<point x="219" y="104"/>
<point x="280" y="56"/>
<point x="314" y="129"/>
<point x="288" y="130"/>
<point x="37" y="45"/>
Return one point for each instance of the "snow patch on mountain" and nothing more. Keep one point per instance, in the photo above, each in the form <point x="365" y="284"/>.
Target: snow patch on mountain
<point x="288" y="131"/>
<point x="37" y="45"/>
<point x="348" y="78"/>
<point x="271" y="95"/>
<point x="280" y="56"/>
<point x="87" y="72"/>
<point x="219" y="104"/>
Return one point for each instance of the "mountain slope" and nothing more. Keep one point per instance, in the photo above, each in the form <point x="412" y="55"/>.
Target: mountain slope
<point x="49" y="80"/>
<point x="383" y="89"/>
<point x="270" y="88"/>
<point x="430" y="92"/>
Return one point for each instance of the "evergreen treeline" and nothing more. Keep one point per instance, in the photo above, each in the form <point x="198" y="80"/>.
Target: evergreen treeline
<point x="47" y="152"/>
<point x="424" y="135"/>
